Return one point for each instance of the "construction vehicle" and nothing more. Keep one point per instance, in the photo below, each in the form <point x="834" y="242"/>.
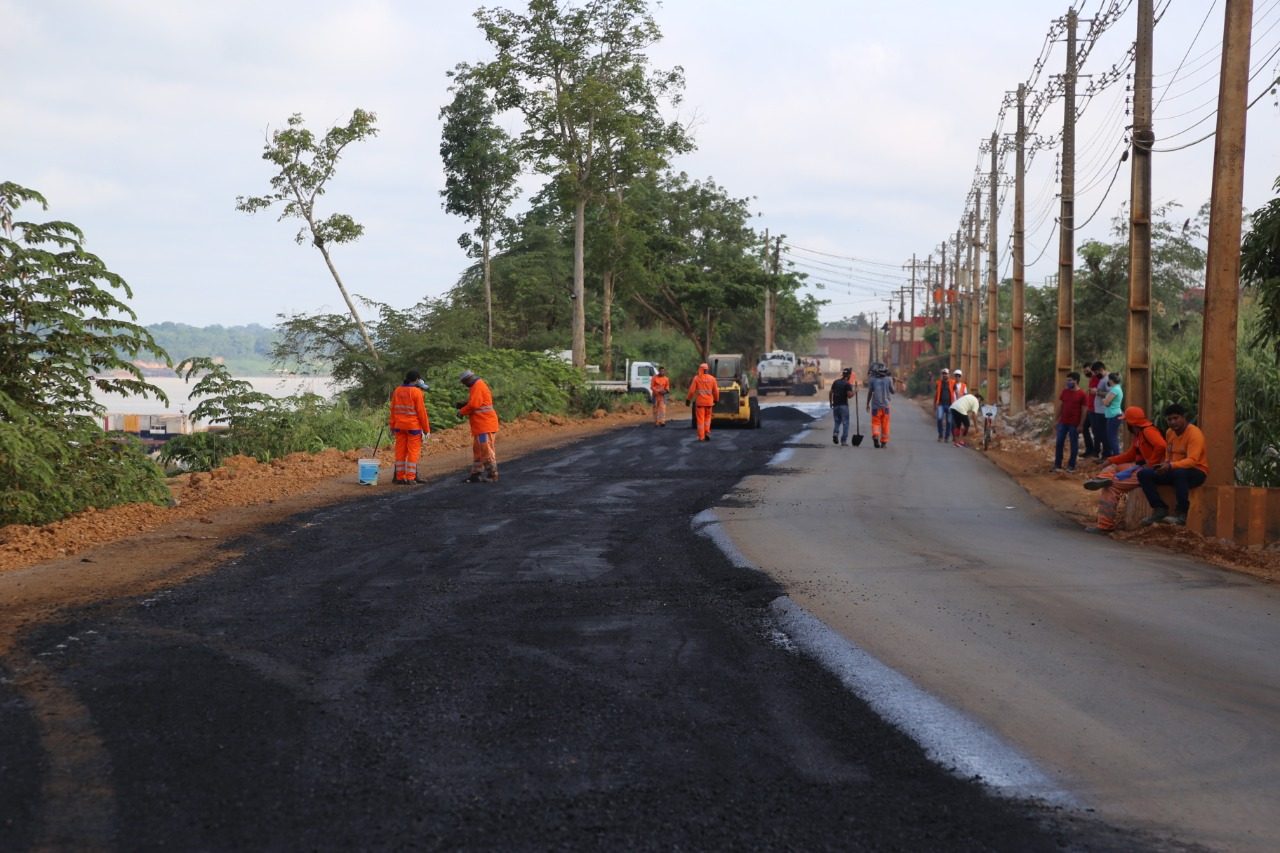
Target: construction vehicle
<point x="737" y="405"/>
<point x="808" y="378"/>
<point x="776" y="371"/>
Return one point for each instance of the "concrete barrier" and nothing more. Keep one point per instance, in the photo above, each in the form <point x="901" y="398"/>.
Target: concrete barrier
<point x="1242" y="515"/>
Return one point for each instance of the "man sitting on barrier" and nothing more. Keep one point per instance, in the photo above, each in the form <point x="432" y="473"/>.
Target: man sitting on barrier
<point x="1185" y="467"/>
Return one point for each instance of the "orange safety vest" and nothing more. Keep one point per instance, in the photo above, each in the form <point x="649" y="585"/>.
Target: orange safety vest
<point x="660" y="385"/>
<point x="479" y="409"/>
<point x="704" y="390"/>
<point x="409" y="410"/>
<point x="937" y="391"/>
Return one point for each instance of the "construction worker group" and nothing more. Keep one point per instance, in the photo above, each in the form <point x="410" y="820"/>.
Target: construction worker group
<point x="410" y="426"/>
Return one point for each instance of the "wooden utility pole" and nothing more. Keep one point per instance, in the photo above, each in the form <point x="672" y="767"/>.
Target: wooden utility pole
<point x="1138" y="385"/>
<point x="1017" y="353"/>
<point x="911" y="319"/>
<point x="888" y="334"/>
<point x="993" y="283"/>
<point x="942" y="303"/>
<point x="974" y="367"/>
<point x="954" y="352"/>
<point x="1065" y="356"/>
<point x="1217" y="415"/>
<point x="768" y="300"/>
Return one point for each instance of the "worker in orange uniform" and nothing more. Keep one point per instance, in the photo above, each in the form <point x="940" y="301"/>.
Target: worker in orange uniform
<point x="704" y="392"/>
<point x="409" y="424"/>
<point x="1146" y="450"/>
<point x="483" y="416"/>
<point x="879" y="395"/>
<point x="660" y="388"/>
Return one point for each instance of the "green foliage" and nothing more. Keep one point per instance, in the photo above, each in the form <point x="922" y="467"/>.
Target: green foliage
<point x="262" y="426"/>
<point x="521" y="382"/>
<point x="61" y="338"/>
<point x="246" y="350"/>
<point x="306" y="165"/>
<point x="1260" y="271"/>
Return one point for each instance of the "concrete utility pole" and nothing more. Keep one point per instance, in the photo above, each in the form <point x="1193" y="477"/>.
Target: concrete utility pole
<point x="974" y="367"/>
<point x="1017" y="354"/>
<point x="1138" y="385"/>
<point x="1217" y="415"/>
<point x="888" y="334"/>
<point x="771" y="299"/>
<point x="941" y="308"/>
<point x="993" y="284"/>
<point x="911" y="319"/>
<point x="1066" y="219"/>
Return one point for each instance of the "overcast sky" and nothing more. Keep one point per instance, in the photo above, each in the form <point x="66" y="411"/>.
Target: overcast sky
<point x="855" y="126"/>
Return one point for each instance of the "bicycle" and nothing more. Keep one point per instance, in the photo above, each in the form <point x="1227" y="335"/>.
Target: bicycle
<point x="989" y="412"/>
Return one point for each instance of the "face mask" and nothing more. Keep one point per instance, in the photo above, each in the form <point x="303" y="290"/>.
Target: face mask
<point x="1071" y="383"/>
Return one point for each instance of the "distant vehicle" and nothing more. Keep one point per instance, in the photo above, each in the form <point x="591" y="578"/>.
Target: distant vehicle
<point x="737" y="407"/>
<point x="776" y="371"/>
<point x="808" y="378"/>
<point x="639" y="374"/>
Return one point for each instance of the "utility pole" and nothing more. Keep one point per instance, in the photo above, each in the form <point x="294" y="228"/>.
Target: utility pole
<point x="1217" y="413"/>
<point x="1017" y="354"/>
<point x="974" y="367"/>
<point x="966" y="353"/>
<point x="911" y="345"/>
<point x="772" y="331"/>
<point x="993" y="284"/>
<point x="1065" y="356"/>
<point x="942" y="302"/>
<point x="1138" y="385"/>
<point x="888" y="334"/>
<point x="768" y="302"/>
<point x="954" y="353"/>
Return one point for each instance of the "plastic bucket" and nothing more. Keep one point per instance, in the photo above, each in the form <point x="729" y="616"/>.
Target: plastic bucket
<point x="367" y="470"/>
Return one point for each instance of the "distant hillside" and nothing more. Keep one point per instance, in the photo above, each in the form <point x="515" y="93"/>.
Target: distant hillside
<point x="246" y="350"/>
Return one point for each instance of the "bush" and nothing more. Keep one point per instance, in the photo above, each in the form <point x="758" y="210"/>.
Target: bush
<point x="522" y="382"/>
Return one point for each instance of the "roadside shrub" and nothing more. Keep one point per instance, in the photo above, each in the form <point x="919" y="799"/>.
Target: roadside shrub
<point x="521" y="382"/>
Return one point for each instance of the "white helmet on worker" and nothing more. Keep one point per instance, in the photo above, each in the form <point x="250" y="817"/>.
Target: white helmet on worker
<point x="957" y="372"/>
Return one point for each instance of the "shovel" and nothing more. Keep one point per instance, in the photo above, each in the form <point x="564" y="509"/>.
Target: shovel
<point x="856" y="438"/>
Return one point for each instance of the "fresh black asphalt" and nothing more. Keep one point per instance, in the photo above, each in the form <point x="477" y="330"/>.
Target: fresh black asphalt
<point x="556" y="661"/>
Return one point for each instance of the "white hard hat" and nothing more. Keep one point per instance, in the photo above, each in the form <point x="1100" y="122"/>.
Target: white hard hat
<point x="958" y="373"/>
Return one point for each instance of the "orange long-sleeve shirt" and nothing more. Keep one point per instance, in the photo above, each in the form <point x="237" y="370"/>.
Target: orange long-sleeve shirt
<point x="1186" y="450"/>
<point x="408" y="409"/>
<point x="479" y="409"/>
<point x="704" y="390"/>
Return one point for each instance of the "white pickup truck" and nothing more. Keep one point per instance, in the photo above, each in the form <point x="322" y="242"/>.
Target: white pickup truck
<point x="638" y="375"/>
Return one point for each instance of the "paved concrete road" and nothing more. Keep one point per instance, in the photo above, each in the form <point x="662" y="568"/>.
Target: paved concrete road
<point x="557" y="661"/>
<point x="1146" y="683"/>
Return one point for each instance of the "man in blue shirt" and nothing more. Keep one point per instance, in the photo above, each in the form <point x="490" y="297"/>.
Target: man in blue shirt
<point x="880" y="392"/>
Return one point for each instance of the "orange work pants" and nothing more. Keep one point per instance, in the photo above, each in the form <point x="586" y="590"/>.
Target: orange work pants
<point x="703" y="416"/>
<point x="408" y="449"/>
<point x="659" y="408"/>
<point x="880" y="425"/>
<point x="484" y="454"/>
<point x="1109" y="498"/>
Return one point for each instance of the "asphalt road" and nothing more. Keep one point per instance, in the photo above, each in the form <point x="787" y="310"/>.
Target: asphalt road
<point x="557" y="661"/>
<point x="1143" y="683"/>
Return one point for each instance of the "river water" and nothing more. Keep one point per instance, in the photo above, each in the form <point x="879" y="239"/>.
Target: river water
<point x="178" y="391"/>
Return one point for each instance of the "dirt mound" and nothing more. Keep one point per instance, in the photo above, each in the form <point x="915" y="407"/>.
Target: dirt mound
<point x="784" y="414"/>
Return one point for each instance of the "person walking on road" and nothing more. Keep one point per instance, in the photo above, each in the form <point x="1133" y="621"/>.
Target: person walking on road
<point x="879" y="393"/>
<point x="1121" y="473"/>
<point x="1185" y="467"/>
<point x="841" y="391"/>
<point x="660" y="388"/>
<point x="409" y="424"/>
<point x="704" y="392"/>
<point x="944" y="394"/>
<point x="1073" y="411"/>
<point x="963" y="411"/>
<point x="483" y="417"/>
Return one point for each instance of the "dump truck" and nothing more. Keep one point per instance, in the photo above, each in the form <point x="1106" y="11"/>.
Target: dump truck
<point x="776" y="371"/>
<point x="737" y="405"/>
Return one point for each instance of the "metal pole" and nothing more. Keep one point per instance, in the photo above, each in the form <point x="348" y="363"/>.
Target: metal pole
<point x="975" y="297"/>
<point x="1066" y="219"/>
<point x="954" y="352"/>
<point x="1138" y="385"/>
<point x="1018" y="356"/>
<point x="1217" y="409"/>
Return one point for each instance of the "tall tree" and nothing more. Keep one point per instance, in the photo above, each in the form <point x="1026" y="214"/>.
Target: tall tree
<point x="581" y="77"/>
<point x="305" y="166"/>
<point x="481" y="164"/>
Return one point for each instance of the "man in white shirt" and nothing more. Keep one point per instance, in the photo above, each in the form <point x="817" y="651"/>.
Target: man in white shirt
<point x="962" y="413"/>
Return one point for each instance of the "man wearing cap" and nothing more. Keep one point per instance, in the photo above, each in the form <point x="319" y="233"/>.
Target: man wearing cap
<point x="408" y="423"/>
<point x="1121" y="472"/>
<point x="841" y="391"/>
<point x="660" y="388"/>
<point x="879" y="395"/>
<point x="704" y="392"/>
<point x="962" y="387"/>
<point x="483" y="417"/>
<point x="944" y="394"/>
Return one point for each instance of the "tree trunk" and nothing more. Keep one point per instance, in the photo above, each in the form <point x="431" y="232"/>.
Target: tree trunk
<point x="488" y="292"/>
<point x="706" y="343"/>
<point x="351" y="306"/>
<point x="606" y="317"/>
<point x="579" y="284"/>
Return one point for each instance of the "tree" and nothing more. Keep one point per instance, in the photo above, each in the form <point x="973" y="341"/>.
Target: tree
<point x="1260" y="270"/>
<point x="481" y="164"/>
<point x="65" y="332"/>
<point x="305" y="166"/>
<point x="580" y="77"/>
